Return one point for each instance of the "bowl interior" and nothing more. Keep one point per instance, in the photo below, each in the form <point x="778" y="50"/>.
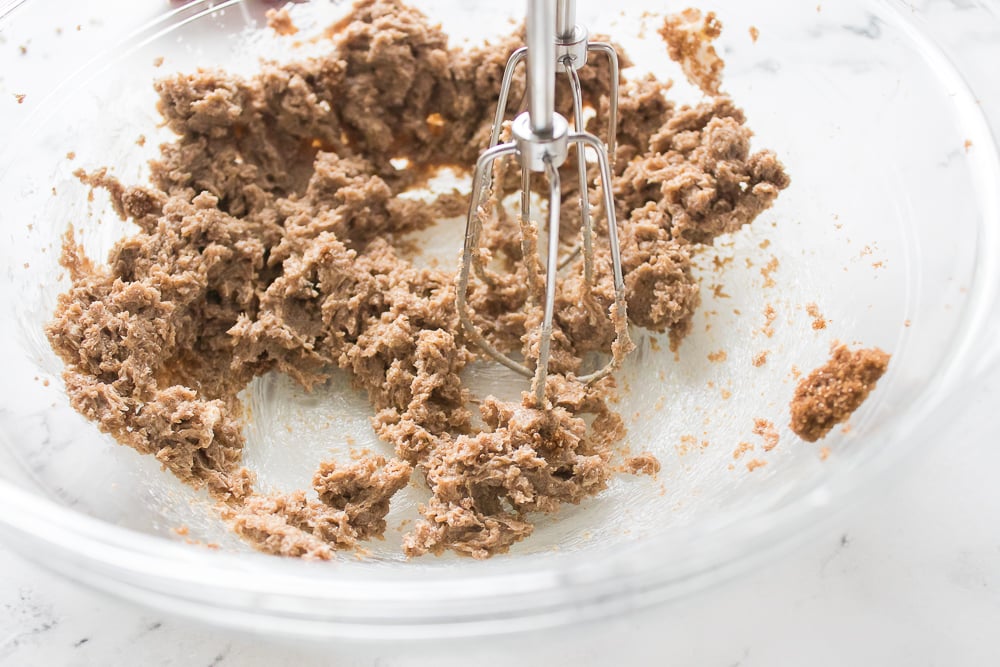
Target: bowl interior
<point x="882" y="229"/>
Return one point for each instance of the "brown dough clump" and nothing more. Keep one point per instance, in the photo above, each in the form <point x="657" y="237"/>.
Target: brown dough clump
<point x="270" y="237"/>
<point x="830" y="394"/>
<point x="527" y="459"/>
<point x="642" y="464"/>
<point x="352" y="505"/>
<point x="689" y="36"/>
<point x="280" y="21"/>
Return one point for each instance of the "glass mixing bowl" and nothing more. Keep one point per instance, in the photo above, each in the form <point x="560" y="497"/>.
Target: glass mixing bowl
<point x="891" y="227"/>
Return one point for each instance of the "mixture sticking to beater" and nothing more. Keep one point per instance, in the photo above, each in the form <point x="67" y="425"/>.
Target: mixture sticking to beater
<point x="270" y="239"/>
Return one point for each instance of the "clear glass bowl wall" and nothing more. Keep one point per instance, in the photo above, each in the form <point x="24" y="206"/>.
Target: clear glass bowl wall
<point x="880" y="114"/>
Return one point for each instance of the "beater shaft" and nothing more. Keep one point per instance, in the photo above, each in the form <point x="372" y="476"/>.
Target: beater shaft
<point x="565" y="18"/>
<point x="541" y="66"/>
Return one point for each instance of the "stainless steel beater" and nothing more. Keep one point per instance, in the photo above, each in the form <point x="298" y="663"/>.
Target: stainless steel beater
<point x="540" y="142"/>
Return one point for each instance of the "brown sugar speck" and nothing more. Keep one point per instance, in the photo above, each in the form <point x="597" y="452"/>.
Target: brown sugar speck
<point x="968" y="145"/>
<point x="19" y="97"/>
<point x="769" y="317"/>
<point x="182" y="530"/>
<point x="717" y="357"/>
<point x="906" y="323"/>
<point x="141" y="141"/>
<point x="280" y="21"/>
<point x="654" y="344"/>
<point x="754" y="33"/>
<point x="720" y="263"/>
<point x="435" y="123"/>
<point x="689" y="37"/>
<point x="726" y="394"/>
<point x="643" y="464"/>
<point x="765" y="429"/>
<point x="754" y="464"/>
<point x="688" y="442"/>
<point x="824" y="453"/>
<point x="831" y="393"/>
<point x="742" y="449"/>
<point x="23" y="49"/>
<point x="718" y="293"/>
<point x="358" y="454"/>
<point x="819" y="322"/>
<point x="71" y="155"/>
<point x="760" y="359"/>
<point x="768" y="270"/>
<point x="157" y="61"/>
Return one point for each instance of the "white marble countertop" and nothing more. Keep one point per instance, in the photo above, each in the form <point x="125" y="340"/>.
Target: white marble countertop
<point x="912" y="579"/>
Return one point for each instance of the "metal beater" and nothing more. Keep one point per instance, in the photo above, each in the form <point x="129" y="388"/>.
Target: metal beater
<point x="540" y="142"/>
